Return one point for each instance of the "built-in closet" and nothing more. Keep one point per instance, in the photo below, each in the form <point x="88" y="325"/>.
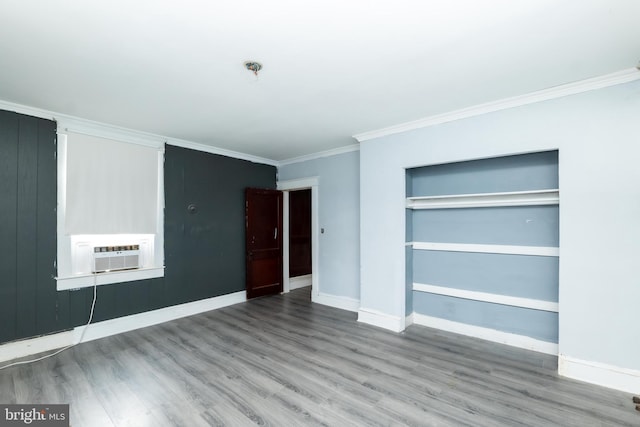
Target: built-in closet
<point x="483" y="247"/>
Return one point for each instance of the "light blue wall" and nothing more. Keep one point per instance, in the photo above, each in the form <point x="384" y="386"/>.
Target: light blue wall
<point x="408" y="303"/>
<point x="513" y="275"/>
<point x="596" y="133"/>
<point x="531" y="171"/>
<point x="542" y="325"/>
<point x="513" y="225"/>
<point x="339" y="216"/>
<point x="521" y="276"/>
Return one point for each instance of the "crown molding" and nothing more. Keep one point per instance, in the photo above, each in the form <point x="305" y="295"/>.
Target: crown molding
<point x="624" y="76"/>
<point x="103" y="130"/>
<point x="67" y="123"/>
<point x="320" y="154"/>
<point x="221" y="151"/>
<point x="29" y="111"/>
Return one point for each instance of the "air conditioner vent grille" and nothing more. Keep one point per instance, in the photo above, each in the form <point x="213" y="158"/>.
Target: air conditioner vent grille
<point x="114" y="258"/>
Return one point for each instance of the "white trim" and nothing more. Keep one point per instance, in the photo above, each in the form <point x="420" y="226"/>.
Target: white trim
<point x="286" y="281"/>
<point x="29" y="111"/>
<point x="484" y="200"/>
<point x="31" y="346"/>
<point x="602" y="374"/>
<point x="315" y="239"/>
<point x="85" y="281"/>
<point x="115" y="326"/>
<point x="381" y="320"/>
<point x="600" y="82"/>
<point x="408" y="321"/>
<point x="300" y="281"/>
<point x="63" y="243"/>
<point x="158" y="241"/>
<point x="488" y="334"/>
<point x="222" y="151"/>
<point x="320" y="154"/>
<point x="298" y="184"/>
<point x="105" y="130"/>
<point x="487" y="297"/>
<point x="154" y="317"/>
<point x="488" y="249"/>
<point x="336" y="301"/>
<point x="115" y="133"/>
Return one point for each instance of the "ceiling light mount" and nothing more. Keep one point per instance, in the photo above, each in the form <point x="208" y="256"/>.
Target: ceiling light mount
<point x="253" y="66"/>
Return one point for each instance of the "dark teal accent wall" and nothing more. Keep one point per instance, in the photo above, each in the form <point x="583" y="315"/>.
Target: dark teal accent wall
<point x="29" y="303"/>
<point x="204" y="252"/>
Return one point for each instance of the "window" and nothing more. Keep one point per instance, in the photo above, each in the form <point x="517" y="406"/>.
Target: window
<point x="110" y="193"/>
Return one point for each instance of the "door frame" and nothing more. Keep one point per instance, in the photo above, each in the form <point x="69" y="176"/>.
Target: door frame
<point x="312" y="183"/>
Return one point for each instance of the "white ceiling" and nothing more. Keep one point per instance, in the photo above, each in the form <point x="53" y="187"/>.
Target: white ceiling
<point x="332" y="69"/>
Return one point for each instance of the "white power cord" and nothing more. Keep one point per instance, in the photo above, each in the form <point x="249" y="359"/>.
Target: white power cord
<point x="93" y="305"/>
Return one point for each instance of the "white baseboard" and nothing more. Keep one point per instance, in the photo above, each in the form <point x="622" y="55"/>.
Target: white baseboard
<point x="381" y="320"/>
<point x="343" y="303"/>
<point x="300" y="282"/>
<point x="610" y="376"/>
<point x="154" y="317"/>
<point x="488" y="334"/>
<point x="119" y="325"/>
<point x="27" y="347"/>
<point x="408" y="321"/>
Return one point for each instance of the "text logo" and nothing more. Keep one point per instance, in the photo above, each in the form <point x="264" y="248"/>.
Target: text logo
<point x="34" y="415"/>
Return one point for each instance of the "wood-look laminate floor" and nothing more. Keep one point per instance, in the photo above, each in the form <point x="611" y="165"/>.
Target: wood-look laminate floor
<point x="283" y="361"/>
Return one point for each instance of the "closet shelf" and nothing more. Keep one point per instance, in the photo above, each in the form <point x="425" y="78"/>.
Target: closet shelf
<point x="485" y="200"/>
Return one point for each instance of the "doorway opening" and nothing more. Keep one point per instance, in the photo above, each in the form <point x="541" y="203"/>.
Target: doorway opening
<point x="292" y="279"/>
<point x="300" y="239"/>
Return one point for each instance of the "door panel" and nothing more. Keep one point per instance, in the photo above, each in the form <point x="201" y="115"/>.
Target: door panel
<point x="263" y="221"/>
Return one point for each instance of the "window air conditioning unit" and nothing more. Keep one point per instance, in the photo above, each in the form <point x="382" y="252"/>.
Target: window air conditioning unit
<point x="114" y="258"/>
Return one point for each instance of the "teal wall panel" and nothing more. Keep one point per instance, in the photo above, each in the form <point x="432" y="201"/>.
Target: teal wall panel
<point x="205" y="250"/>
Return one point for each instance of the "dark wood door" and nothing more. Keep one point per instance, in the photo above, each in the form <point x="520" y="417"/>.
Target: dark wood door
<point x="299" y="233"/>
<point x="263" y="222"/>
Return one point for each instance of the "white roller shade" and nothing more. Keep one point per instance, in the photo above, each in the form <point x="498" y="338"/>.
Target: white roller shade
<point x="111" y="187"/>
